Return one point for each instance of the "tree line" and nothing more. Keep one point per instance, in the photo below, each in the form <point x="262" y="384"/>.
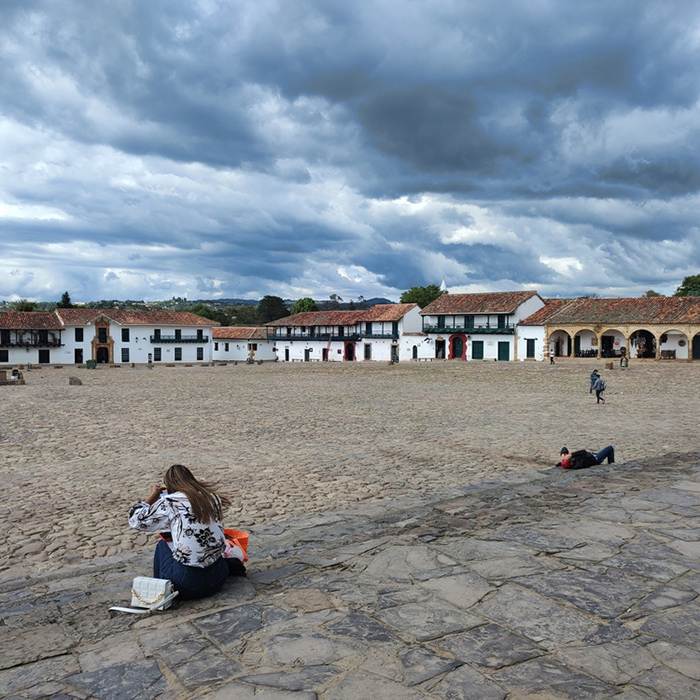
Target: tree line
<point x="271" y="307"/>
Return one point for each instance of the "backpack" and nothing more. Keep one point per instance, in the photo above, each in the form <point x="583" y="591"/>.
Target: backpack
<point x="581" y="459"/>
<point x="602" y="385"/>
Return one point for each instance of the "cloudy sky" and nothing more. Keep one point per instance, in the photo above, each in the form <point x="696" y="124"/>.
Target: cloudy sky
<point x="228" y="148"/>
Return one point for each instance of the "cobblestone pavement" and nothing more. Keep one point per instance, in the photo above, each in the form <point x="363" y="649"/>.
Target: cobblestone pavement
<point x="294" y="439"/>
<point x="549" y="584"/>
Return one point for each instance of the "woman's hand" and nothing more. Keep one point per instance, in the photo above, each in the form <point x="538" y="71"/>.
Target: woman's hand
<point x="155" y="494"/>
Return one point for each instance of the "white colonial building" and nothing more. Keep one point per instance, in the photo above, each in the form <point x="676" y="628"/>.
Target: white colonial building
<point x="29" y="337"/>
<point x="381" y="333"/>
<point x="658" y="328"/>
<point x="241" y="343"/>
<point x="476" y="326"/>
<point x="76" y="336"/>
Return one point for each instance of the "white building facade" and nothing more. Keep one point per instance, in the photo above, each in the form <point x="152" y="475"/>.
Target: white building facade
<point x="242" y="343"/>
<point x="377" y="334"/>
<point x="476" y="326"/>
<point x="77" y="336"/>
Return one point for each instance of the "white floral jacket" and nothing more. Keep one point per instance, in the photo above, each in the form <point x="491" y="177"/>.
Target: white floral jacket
<point x="194" y="543"/>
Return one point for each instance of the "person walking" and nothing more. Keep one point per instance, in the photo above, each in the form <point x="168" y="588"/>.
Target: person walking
<point x="551" y="355"/>
<point x="594" y="377"/>
<point x="599" y="387"/>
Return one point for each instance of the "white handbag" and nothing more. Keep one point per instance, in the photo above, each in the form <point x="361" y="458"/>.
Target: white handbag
<point x="149" y="594"/>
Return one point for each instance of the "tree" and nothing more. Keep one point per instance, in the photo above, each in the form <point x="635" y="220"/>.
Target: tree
<point x="652" y="293"/>
<point x="243" y="315"/>
<point x="302" y="305"/>
<point x="65" y="302"/>
<point x="333" y="304"/>
<point x="271" y="308"/>
<point x="24" y="305"/>
<point x="206" y="311"/>
<point x="421" y="295"/>
<point x="690" y="287"/>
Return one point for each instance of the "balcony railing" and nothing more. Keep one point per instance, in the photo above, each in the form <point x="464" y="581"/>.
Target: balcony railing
<point x="470" y="330"/>
<point x="180" y="339"/>
<point x="390" y="336"/>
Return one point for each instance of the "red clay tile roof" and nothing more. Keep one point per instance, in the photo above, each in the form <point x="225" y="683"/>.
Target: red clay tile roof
<point x="387" y="312"/>
<point x="30" y="321"/>
<point x="539" y="318"/>
<point x="320" y="318"/>
<point x="379" y="312"/>
<point x="134" y="318"/>
<point x="487" y="303"/>
<point x="637" y="310"/>
<point x="239" y="333"/>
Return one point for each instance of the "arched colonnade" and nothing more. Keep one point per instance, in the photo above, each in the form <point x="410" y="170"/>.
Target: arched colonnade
<point x="638" y="342"/>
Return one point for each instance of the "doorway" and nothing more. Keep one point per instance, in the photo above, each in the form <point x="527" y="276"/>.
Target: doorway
<point x="696" y="347"/>
<point x="642" y="345"/>
<point x="503" y="351"/>
<point x="477" y="349"/>
<point x="102" y="355"/>
<point x="78" y="356"/>
<point x="530" y="353"/>
<point x="457" y="349"/>
<point x="349" y="352"/>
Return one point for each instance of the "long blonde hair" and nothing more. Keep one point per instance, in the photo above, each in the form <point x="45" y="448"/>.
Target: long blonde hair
<point x="207" y="504"/>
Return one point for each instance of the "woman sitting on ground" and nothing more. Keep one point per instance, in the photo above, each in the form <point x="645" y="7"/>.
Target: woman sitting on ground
<point x="192" y="511"/>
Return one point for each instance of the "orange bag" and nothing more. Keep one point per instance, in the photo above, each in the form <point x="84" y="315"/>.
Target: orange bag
<point x="237" y="538"/>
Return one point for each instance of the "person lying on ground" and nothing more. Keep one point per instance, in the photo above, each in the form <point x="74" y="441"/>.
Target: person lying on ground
<point x="583" y="458"/>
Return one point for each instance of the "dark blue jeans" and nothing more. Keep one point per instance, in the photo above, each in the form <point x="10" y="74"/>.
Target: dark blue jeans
<point x="608" y="452"/>
<point x="191" y="581"/>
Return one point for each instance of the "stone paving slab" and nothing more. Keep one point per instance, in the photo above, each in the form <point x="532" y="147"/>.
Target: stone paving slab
<point x="583" y="585"/>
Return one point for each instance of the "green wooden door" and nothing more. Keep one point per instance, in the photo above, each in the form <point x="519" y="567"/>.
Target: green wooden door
<point x="503" y="351"/>
<point x="477" y="350"/>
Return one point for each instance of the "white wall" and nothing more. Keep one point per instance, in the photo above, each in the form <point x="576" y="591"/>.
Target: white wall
<point x="672" y="340"/>
<point x="536" y="333"/>
<point x="425" y="349"/>
<point x="297" y="350"/>
<point x="239" y="350"/>
<point x="412" y="322"/>
<point x="526" y="309"/>
<point x="139" y="344"/>
<point x="490" y="346"/>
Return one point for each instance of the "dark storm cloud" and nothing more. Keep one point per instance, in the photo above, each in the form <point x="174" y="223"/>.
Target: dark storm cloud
<point x="668" y="178"/>
<point x="431" y="128"/>
<point x="230" y="148"/>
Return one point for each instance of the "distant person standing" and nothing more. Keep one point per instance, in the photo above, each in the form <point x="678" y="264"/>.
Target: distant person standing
<point x="599" y="387"/>
<point x="551" y="355"/>
<point x="594" y="378"/>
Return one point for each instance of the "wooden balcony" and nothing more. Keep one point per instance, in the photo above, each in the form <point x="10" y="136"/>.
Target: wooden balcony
<point x="471" y="330"/>
<point x="180" y="339"/>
